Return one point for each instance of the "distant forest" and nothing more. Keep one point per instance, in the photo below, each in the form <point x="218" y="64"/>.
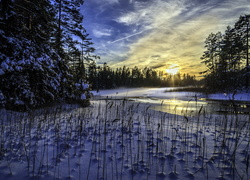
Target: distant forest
<point x="227" y="58"/>
<point x="104" y="77"/>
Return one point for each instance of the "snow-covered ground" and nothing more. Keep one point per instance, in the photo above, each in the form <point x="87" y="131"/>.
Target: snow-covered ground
<point x="239" y="96"/>
<point x="125" y="138"/>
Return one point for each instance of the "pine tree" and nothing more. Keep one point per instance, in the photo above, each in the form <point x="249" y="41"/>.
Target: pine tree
<point x="242" y="27"/>
<point x="72" y="44"/>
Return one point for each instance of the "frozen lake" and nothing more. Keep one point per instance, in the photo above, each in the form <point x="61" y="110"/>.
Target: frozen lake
<point x="180" y="103"/>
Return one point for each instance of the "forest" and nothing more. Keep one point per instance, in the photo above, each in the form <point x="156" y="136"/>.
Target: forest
<point x="47" y="56"/>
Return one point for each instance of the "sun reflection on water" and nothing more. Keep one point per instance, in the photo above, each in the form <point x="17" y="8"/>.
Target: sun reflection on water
<point x="181" y="107"/>
<point x="174" y="106"/>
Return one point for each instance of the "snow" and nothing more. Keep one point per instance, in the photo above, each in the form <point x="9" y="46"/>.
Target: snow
<point x="1" y="72"/>
<point x="1" y="96"/>
<point x="83" y="85"/>
<point x="241" y="96"/>
<point x="123" y="136"/>
<point x="4" y="65"/>
<point x="19" y="102"/>
<point x="83" y="97"/>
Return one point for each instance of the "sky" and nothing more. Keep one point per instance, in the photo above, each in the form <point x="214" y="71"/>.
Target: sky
<point x="160" y="34"/>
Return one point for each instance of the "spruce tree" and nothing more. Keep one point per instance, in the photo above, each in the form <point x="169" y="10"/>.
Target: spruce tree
<point x="36" y="50"/>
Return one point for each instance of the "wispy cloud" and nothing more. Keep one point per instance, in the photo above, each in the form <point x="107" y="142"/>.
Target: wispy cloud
<point x="149" y="14"/>
<point x="108" y="2"/>
<point x="177" y="30"/>
<point x="162" y="32"/>
<point x="101" y="33"/>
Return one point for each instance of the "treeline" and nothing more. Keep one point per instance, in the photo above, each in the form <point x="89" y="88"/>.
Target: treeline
<point x="43" y="46"/>
<point x="106" y="78"/>
<point x="227" y="57"/>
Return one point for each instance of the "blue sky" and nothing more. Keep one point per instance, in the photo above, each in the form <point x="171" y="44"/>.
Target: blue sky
<point x="157" y="33"/>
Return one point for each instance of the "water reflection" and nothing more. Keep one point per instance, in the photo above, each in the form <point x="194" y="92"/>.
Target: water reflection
<point x="180" y="103"/>
<point x="181" y="107"/>
<point x="175" y="106"/>
<point x="195" y="107"/>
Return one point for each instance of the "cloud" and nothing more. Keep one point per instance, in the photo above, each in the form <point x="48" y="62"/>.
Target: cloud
<point x="147" y="13"/>
<point x="108" y="2"/>
<point x="156" y="66"/>
<point x="178" y="29"/>
<point x="100" y="33"/>
<point x="159" y="33"/>
<point x="98" y="7"/>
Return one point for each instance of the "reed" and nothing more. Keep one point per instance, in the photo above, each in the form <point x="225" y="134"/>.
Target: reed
<point x="119" y="139"/>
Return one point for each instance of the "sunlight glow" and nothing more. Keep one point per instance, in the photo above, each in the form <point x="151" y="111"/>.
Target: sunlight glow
<point x="173" y="69"/>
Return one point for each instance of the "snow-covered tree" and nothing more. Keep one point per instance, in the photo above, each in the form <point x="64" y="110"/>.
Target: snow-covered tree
<point x="34" y="70"/>
<point x="72" y="44"/>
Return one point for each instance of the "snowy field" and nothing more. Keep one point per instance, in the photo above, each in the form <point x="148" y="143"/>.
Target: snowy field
<point x="141" y="133"/>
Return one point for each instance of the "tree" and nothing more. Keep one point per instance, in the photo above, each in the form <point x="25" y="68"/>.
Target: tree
<point x="125" y="76"/>
<point x="211" y="56"/>
<point x="242" y="28"/>
<point x="71" y="42"/>
<point x="137" y="77"/>
<point x="225" y="57"/>
<point x="28" y="73"/>
<point x="34" y="61"/>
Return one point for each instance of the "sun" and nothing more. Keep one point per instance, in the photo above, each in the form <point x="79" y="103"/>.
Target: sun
<point x="173" y="69"/>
